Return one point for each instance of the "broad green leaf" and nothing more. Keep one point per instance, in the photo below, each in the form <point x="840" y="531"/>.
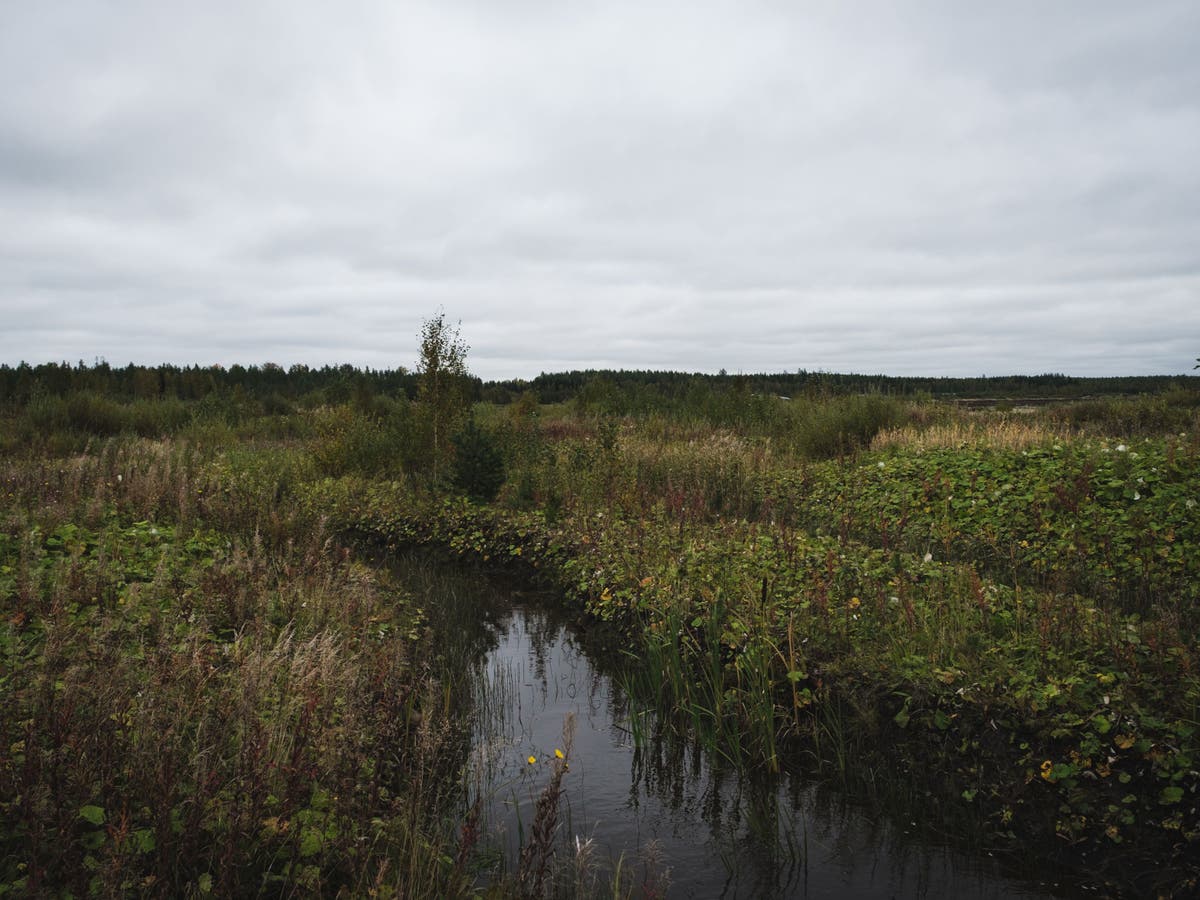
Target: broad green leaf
<point x="93" y="814"/>
<point x="310" y="842"/>
<point x="1170" y="795"/>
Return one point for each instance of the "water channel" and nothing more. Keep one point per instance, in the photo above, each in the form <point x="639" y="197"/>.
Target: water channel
<point x="659" y="810"/>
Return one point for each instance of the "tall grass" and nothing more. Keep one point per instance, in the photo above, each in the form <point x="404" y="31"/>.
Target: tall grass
<point x="784" y="591"/>
<point x="993" y="431"/>
<point x="194" y="711"/>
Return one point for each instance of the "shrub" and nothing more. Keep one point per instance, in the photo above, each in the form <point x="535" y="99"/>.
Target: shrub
<point x="478" y="465"/>
<point x="96" y="415"/>
<point x="351" y="443"/>
<point x="157" y="418"/>
<point x="1168" y="413"/>
<point x="836" y="426"/>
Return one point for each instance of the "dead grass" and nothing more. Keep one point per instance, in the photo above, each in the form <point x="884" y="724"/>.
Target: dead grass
<point x="987" y="430"/>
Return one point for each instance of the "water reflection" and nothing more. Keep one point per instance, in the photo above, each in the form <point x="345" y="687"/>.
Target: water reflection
<point x="660" y="809"/>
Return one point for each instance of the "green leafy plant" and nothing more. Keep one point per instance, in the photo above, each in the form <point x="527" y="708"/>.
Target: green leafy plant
<point x="478" y="465"/>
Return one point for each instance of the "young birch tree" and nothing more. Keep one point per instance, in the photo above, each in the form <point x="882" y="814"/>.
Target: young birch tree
<point x="444" y="382"/>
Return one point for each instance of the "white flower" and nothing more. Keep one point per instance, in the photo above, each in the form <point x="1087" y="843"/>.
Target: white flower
<point x="1137" y="496"/>
<point x="928" y="557"/>
<point x="880" y="464"/>
<point x="1121" y="448"/>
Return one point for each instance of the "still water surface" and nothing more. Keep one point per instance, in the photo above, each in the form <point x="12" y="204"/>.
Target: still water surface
<point x="662" y="810"/>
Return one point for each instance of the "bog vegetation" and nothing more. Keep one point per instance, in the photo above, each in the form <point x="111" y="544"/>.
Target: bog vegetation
<point x="210" y="690"/>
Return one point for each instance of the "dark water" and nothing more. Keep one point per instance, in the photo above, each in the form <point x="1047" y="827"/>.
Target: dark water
<point x="661" y="811"/>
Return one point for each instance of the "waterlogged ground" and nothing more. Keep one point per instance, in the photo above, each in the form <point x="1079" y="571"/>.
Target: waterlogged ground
<point x="661" y="812"/>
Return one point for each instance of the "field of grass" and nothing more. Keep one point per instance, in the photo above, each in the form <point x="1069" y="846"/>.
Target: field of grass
<point x="209" y="691"/>
<point x="200" y="702"/>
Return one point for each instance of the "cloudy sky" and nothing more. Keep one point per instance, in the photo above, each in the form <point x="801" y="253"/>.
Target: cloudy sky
<point x="935" y="188"/>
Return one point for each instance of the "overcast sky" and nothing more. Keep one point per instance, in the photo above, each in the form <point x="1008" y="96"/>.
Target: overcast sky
<point x="938" y="188"/>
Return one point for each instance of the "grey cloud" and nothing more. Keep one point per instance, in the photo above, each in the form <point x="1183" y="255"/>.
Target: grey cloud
<point x="927" y="188"/>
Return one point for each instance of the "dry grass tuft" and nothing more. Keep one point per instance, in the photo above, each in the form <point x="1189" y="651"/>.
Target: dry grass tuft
<point x="985" y="431"/>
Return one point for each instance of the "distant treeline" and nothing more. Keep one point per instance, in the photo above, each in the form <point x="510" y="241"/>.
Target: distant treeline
<point x="556" y="387"/>
<point x="334" y="384"/>
<point x="327" y="384"/>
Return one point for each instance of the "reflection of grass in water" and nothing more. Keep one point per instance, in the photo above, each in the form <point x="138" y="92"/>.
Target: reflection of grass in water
<point x="532" y="652"/>
<point x="495" y="693"/>
<point x="765" y="828"/>
<point x="500" y="725"/>
<point x="490" y="775"/>
<point x="678" y="759"/>
<point x="461" y="608"/>
<point x="767" y="837"/>
<point x="668" y="764"/>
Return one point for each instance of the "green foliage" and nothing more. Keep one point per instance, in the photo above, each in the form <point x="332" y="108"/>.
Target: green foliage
<point x="1166" y="413"/>
<point x="946" y="604"/>
<point x="840" y="426"/>
<point x="1109" y="520"/>
<point x="391" y="440"/>
<point x="817" y="427"/>
<point x="444" y="383"/>
<point x="478" y="465"/>
<point x="190" y="711"/>
<point x="351" y="443"/>
<point x="1021" y="621"/>
<point x="71" y="421"/>
<point x="275" y="404"/>
<point x="94" y="414"/>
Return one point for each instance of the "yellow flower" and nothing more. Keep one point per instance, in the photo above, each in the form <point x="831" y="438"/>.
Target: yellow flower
<point x="532" y="760"/>
<point x="1047" y="767"/>
<point x="558" y="753"/>
<point x="854" y="603"/>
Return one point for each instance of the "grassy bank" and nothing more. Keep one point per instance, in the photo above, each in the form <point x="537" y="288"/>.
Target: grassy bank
<point x="200" y="701"/>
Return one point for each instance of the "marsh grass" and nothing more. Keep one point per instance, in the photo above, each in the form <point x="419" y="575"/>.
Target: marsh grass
<point x="868" y="602"/>
<point x="993" y="431"/>
<point x="965" y="578"/>
<point x="191" y="709"/>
